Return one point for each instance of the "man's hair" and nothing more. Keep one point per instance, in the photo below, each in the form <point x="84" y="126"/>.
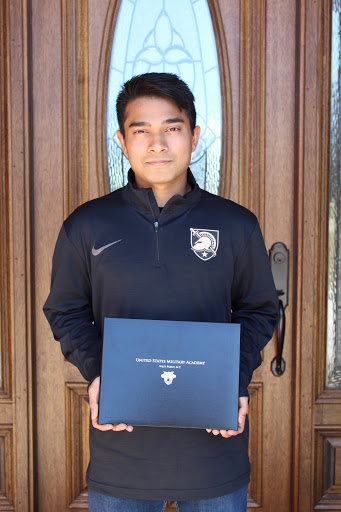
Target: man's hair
<point x="158" y="85"/>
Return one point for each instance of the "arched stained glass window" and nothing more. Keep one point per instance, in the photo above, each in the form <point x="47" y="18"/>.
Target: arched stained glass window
<point x="174" y="36"/>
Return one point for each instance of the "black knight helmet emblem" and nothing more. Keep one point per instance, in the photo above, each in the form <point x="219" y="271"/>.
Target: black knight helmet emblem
<point x="205" y="243"/>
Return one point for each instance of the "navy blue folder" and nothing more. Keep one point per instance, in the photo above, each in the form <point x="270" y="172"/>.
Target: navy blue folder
<point x="170" y="374"/>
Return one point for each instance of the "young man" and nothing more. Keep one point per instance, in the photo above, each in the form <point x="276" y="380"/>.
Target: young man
<point x="129" y="255"/>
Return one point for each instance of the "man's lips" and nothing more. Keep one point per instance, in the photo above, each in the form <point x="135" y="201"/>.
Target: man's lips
<point x="158" y="162"/>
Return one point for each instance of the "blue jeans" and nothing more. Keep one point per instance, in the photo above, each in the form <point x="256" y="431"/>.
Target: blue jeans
<point x="234" y="502"/>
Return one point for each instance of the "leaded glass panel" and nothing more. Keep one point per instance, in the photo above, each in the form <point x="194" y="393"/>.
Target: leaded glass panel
<point x="173" y="36"/>
<point x="334" y="243"/>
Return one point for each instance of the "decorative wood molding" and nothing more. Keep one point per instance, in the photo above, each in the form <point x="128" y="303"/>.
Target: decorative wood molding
<point x="77" y="444"/>
<point x="252" y="102"/>
<point x="75" y="63"/>
<point x="328" y="469"/>
<point x="322" y="198"/>
<point x="16" y="416"/>
<point x="226" y="99"/>
<point x="5" y="313"/>
<point x="329" y="395"/>
<point x="298" y="257"/>
<point x="16" y="387"/>
<point x="327" y="409"/>
<point x="102" y="94"/>
<point x="7" y="491"/>
<point x="256" y="444"/>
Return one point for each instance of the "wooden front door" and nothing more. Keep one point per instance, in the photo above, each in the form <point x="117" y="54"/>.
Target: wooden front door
<point x="275" y="110"/>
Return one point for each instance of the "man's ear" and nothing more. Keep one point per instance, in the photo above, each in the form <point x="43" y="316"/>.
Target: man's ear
<point x="195" y="137"/>
<point x="121" y="139"/>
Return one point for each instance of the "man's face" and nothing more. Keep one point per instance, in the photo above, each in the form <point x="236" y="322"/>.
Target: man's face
<point x="158" y="141"/>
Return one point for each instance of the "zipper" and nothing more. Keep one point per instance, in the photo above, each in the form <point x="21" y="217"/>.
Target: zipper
<point x="156" y="227"/>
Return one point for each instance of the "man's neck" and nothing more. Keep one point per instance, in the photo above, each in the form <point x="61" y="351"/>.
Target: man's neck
<point x="162" y="196"/>
<point x="164" y="191"/>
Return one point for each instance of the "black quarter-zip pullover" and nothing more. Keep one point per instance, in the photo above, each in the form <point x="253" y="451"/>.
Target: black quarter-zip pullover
<point x="201" y="259"/>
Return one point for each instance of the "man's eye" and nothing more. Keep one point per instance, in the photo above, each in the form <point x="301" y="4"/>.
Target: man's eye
<point x="174" y="129"/>
<point x="139" y="131"/>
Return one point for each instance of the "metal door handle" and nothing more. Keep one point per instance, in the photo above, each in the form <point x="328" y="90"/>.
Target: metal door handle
<point x="278" y="363"/>
<point x="279" y="261"/>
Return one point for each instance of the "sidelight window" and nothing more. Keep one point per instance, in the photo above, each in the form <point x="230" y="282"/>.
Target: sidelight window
<point x="334" y="241"/>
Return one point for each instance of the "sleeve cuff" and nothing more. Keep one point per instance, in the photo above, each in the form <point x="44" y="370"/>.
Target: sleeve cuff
<point x="91" y="381"/>
<point x="243" y="392"/>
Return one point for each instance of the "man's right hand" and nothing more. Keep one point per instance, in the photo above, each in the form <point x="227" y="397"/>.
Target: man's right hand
<point x="93" y="402"/>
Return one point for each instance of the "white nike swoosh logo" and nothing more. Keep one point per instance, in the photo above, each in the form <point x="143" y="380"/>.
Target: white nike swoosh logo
<point x="96" y="252"/>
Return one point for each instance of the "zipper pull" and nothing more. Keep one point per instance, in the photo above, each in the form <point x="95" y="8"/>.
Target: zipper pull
<point x="156" y="224"/>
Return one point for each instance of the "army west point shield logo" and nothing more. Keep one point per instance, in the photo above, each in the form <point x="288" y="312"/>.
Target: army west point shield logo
<point x="205" y="243"/>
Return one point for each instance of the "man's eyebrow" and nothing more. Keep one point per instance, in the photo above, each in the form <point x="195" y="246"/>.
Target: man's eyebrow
<point x="173" y="120"/>
<point x="166" y="121"/>
<point x="139" y="123"/>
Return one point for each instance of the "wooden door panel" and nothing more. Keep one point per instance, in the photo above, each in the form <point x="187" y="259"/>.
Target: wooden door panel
<point x="76" y="56"/>
<point x="328" y="468"/>
<point x="77" y="444"/>
<point x="255" y="492"/>
<point x="7" y="487"/>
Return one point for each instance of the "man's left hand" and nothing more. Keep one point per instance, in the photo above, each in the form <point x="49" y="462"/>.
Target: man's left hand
<point x="243" y="409"/>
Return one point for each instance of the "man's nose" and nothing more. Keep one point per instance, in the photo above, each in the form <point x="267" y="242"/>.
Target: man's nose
<point x="157" y="143"/>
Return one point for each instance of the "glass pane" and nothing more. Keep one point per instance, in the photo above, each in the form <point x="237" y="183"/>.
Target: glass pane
<point x="334" y="243"/>
<point x="174" y="36"/>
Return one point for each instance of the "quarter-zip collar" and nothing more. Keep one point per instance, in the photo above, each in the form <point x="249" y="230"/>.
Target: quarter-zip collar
<point x="143" y="199"/>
